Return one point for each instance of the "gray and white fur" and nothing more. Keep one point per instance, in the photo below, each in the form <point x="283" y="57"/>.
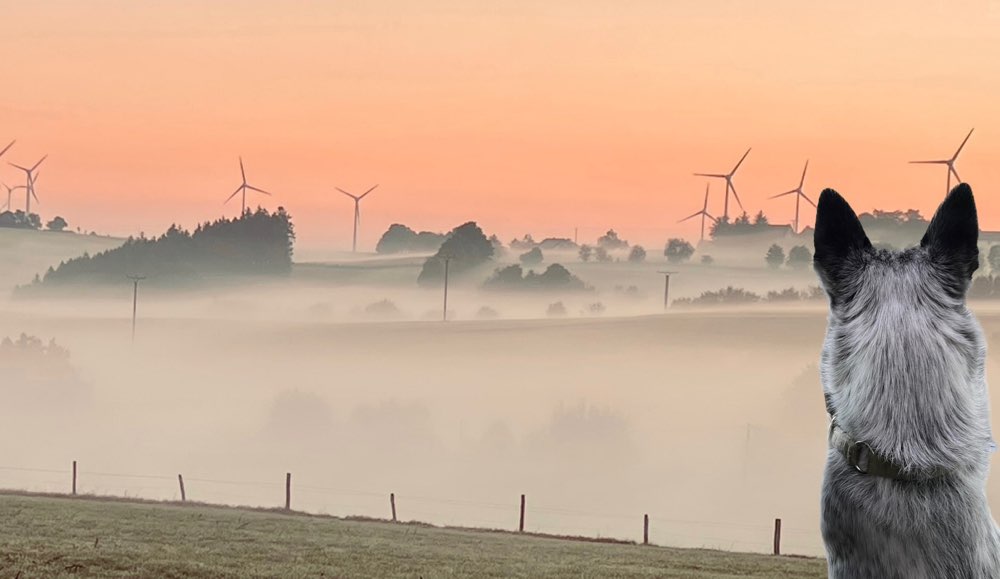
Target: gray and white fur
<point x="902" y="368"/>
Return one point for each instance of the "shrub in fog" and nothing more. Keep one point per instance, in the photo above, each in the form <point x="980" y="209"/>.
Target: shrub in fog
<point x="596" y="309"/>
<point x="556" y="310"/>
<point x="383" y="309"/>
<point x="799" y="257"/>
<point x="610" y="241"/>
<point x="401" y="239"/>
<point x="532" y="257"/>
<point x="678" y="250"/>
<point x="586" y="252"/>
<point x="487" y="313"/>
<point x="727" y="296"/>
<point x="775" y="256"/>
<point x="601" y="254"/>
<point x="637" y="255"/>
<point x="57" y="224"/>
<point x="467" y="247"/>
<point x="707" y="260"/>
<point x="555" y="277"/>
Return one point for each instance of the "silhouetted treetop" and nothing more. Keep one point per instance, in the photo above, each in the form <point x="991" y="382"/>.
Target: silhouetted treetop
<point x="256" y="243"/>
<point x="466" y="248"/>
<point x="401" y="239"/>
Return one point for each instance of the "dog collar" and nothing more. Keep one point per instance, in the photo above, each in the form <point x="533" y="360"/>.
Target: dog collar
<point x="861" y="457"/>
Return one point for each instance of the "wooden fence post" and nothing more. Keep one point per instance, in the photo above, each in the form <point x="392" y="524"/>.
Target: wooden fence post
<point x="180" y="480"/>
<point x="74" y="477"/>
<point x="392" y="503"/>
<point x="645" y="529"/>
<point x="288" y="491"/>
<point x="520" y="526"/>
<point x="777" y="536"/>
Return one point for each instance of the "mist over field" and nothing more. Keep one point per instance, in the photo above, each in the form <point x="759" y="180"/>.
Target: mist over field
<point x="710" y="420"/>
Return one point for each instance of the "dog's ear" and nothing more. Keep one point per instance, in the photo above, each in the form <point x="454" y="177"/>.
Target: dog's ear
<point x="951" y="238"/>
<point x="839" y="242"/>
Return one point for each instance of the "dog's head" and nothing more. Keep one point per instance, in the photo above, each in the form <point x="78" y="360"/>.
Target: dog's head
<point x="901" y="347"/>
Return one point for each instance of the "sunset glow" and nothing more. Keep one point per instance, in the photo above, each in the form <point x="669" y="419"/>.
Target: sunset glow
<point x="525" y="116"/>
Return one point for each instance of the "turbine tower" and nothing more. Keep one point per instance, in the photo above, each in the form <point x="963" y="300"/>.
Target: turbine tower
<point x="10" y="191"/>
<point x="703" y="213"/>
<point x="243" y="189"/>
<point x="799" y="195"/>
<point x="949" y="162"/>
<point x="729" y="185"/>
<point x="29" y="183"/>
<point x="357" y="214"/>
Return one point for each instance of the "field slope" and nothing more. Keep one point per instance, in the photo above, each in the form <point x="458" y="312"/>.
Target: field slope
<point x="62" y="537"/>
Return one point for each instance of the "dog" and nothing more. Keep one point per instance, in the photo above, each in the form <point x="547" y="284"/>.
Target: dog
<point x="902" y="369"/>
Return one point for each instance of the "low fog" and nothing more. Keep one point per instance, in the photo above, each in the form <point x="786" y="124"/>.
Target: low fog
<point x="709" y="420"/>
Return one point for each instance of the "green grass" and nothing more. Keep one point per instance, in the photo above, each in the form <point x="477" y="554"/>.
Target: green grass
<point x="47" y="536"/>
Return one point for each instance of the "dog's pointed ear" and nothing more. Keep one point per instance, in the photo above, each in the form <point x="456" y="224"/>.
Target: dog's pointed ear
<point x="952" y="237"/>
<point x="838" y="241"/>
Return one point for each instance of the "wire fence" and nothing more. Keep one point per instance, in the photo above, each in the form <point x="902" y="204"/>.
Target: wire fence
<point x="769" y="536"/>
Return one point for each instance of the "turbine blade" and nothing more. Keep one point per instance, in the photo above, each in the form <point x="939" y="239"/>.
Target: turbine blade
<point x="252" y="188"/>
<point x="242" y="171"/>
<point x="238" y="189"/>
<point x="807" y="199"/>
<point x="802" y="181"/>
<point x="5" y="149"/>
<point x="39" y="162"/>
<point x="953" y="158"/>
<point x="346" y="193"/>
<point x="692" y="216"/>
<point x="738" y="166"/>
<point x="930" y="162"/>
<point x="25" y="169"/>
<point x="951" y="168"/>
<point x="737" y="196"/>
<point x="719" y="175"/>
<point x="783" y="194"/>
<point x="367" y="192"/>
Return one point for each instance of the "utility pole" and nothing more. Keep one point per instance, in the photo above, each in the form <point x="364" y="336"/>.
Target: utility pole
<point x="444" y="314"/>
<point x="135" y="299"/>
<point x="666" y="288"/>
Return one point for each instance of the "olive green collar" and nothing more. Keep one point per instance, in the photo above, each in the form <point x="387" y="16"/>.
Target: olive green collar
<point x="861" y="457"/>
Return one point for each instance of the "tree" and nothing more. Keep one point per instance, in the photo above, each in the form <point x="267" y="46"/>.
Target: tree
<point x="610" y="240"/>
<point x="601" y="254"/>
<point x="531" y="257"/>
<point x="775" y="256"/>
<point x="637" y="255"/>
<point x="465" y="248"/>
<point x="799" y="257"/>
<point x="586" y="252"/>
<point x="760" y="219"/>
<point x="401" y="239"/>
<point x="57" y="224"/>
<point x="678" y="250"/>
<point x="994" y="258"/>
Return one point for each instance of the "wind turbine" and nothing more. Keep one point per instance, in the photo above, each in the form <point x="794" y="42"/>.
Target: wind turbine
<point x="949" y="162"/>
<point x="243" y="189"/>
<point x="704" y="213"/>
<point x="5" y="149"/>
<point x="357" y="213"/>
<point x="10" y="191"/>
<point x="799" y="195"/>
<point x="30" y="183"/>
<point x="729" y="184"/>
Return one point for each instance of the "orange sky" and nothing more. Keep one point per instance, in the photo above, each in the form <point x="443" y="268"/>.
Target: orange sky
<point x="523" y="115"/>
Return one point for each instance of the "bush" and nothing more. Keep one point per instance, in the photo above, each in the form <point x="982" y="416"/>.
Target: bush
<point x="556" y="310"/>
<point x="775" y="256"/>
<point x="678" y="250"/>
<point x="383" y="309"/>
<point x="601" y="254"/>
<point x="726" y="296"/>
<point x="57" y="224"/>
<point x="707" y="260"/>
<point x="487" y="313"/>
<point x="611" y="241"/>
<point x="555" y="277"/>
<point x="586" y="252"/>
<point x="596" y="309"/>
<point x="637" y="255"/>
<point x="532" y="257"/>
<point x="799" y="257"/>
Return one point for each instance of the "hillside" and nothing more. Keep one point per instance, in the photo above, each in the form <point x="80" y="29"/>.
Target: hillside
<point x="62" y="537"/>
<point x="26" y="253"/>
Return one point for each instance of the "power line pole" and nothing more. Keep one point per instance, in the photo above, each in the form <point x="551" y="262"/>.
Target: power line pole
<point x="444" y="314"/>
<point x="135" y="299"/>
<point x="666" y="288"/>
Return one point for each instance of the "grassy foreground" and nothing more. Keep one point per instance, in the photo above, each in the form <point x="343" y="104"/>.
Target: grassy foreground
<point x="44" y="536"/>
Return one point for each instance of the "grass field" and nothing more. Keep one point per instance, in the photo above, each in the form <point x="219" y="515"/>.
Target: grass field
<point x="44" y="536"/>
